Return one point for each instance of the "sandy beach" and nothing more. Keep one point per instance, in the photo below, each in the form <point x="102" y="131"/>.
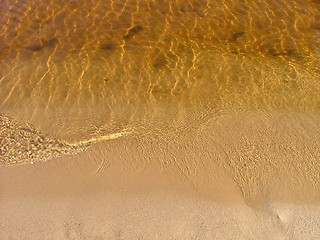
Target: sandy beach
<point x="159" y="119"/>
<point x="235" y="183"/>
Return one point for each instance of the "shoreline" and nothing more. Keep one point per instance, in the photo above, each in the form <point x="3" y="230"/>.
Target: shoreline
<point x="175" y="186"/>
<point x="254" y="151"/>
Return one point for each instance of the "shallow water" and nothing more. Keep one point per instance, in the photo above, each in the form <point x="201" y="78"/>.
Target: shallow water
<point x="82" y="70"/>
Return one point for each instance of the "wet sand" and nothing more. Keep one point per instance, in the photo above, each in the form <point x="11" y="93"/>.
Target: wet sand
<point x="244" y="175"/>
<point x="159" y="120"/>
<point x="58" y="204"/>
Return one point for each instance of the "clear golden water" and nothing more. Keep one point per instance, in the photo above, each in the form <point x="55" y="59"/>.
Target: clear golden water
<point x="79" y="68"/>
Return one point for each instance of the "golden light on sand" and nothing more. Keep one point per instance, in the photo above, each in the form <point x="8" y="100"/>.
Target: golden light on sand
<point x="171" y="119"/>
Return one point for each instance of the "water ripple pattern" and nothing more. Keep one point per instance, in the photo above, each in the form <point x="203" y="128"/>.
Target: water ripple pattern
<point x="72" y="66"/>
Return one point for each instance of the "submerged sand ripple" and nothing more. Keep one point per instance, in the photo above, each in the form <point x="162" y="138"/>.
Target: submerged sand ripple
<point x="103" y="53"/>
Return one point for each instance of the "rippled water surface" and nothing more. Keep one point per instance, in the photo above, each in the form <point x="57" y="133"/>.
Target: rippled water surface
<point x="81" y="70"/>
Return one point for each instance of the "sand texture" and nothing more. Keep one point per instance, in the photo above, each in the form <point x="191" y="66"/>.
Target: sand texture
<point x="159" y="119"/>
